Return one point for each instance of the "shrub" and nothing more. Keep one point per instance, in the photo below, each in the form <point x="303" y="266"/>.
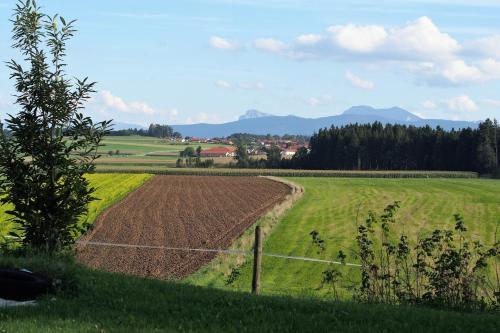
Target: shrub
<point x="445" y="269"/>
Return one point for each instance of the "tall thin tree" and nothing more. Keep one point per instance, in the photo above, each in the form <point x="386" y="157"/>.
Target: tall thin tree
<point x="49" y="145"/>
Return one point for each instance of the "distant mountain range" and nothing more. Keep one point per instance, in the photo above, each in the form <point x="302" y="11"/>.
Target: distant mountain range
<point x="123" y="126"/>
<point x="252" y="114"/>
<point x="256" y="122"/>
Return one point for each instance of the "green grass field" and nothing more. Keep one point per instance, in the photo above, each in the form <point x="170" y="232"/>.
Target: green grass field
<point x="330" y="206"/>
<point x="109" y="189"/>
<point x="143" y="151"/>
<point x="105" y="302"/>
<point x="291" y="301"/>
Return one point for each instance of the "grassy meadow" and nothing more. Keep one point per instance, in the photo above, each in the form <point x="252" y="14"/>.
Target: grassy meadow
<point x="332" y="205"/>
<point x="145" y="151"/>
<point x="291" y="300"/>
<point x="107" y="302"/>
<point x="109" y="189"/>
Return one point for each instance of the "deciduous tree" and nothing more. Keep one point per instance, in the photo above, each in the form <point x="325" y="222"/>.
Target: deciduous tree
<point x="43" y="172"/>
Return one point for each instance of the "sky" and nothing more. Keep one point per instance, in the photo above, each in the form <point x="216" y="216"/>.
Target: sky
<point x="181" y="62"/>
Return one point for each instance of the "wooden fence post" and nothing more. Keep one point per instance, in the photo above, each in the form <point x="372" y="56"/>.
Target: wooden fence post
<point x="257" y="259"/>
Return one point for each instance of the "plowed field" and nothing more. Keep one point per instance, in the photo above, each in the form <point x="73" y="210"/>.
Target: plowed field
<point x="181" y="212"/>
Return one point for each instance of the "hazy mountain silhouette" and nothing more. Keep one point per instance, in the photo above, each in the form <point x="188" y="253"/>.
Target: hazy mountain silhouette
<point x="123" y="126"/>
<point x="256" y="122"/>
<point x="251" y="114"/>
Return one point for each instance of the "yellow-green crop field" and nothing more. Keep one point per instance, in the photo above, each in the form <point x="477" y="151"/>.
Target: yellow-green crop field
<point x="110" y="188"/>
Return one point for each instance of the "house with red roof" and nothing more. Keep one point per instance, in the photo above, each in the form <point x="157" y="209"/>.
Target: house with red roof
<point x="218" y="152"/>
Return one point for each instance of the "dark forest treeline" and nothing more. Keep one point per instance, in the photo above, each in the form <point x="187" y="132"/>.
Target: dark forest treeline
<point x="399" y="147"/>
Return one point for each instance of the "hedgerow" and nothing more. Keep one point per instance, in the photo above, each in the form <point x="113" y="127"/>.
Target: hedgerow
<point x="292" y="173"/>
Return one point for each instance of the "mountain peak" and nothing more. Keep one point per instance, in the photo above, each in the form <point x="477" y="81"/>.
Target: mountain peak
<point x="393" y="113"/>
<point x="252" y="114"/>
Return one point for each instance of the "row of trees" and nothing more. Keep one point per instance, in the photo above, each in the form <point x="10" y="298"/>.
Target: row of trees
<point x="400" y="147"/>
<point x="194" y="162"/>
<point x="154" y="130"/>
<point x="273" y="158"/>
<point x="191" y="152"/>
<point x="247" y="138"/>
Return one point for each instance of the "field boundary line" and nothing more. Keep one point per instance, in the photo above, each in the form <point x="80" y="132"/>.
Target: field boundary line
<point x="274" y="255"/>
<point x="394" y="174"/>
<point x="84" y="243"/>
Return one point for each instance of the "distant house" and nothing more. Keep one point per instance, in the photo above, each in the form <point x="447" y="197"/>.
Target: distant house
<point x="290" y="151"/>
<point x="219" y="152"/>
<point x="199" y="140"/>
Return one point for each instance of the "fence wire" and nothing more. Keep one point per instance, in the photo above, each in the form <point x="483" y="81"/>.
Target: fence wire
<point x="167" y="248"/>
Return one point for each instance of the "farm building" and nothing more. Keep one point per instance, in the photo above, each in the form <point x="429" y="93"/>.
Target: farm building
<point x="219" y="152"/>
<point x="290" y="151"/>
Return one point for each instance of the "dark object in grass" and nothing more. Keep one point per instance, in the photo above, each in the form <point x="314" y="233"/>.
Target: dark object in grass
<point x="20" y="285"/>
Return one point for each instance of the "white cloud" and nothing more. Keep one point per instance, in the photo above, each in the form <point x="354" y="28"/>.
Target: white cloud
<point x="459" y="107"/>
<point x="222" y="84"/>
<point x="461" y="103"/>
<point x="204" y="117"/>
<point x="313" y="101"/>
<point x="251" y="86"/>
<point x="429" y="105"/>
<point x="494" y="102"/>
<point x="356" y="38"/>
<point x="321" y="100"/>
<point x="222" y="43"/>
<point x="488" y="46"/>
<point x="417" y="40"/>
<point x="114" y="102"/>
<point x="308" y="39"/>
<point x="174" y="112"/>
<point x="359" y="82"/>
<point x="421" y="39"/>
<point x="419" y="46"/>
<point x="270" y="45"/>
<point x="490" y="68"/>
<point x="457" y="71"/>
<point x="241" y="85"/>
<point x="107" y="104"/>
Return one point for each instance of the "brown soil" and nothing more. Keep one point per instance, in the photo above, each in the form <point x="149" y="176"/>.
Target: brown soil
<point x="177" y="211"/>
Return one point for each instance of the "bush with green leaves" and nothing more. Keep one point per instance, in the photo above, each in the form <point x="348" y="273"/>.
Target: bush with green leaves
<point x="445" y="269"/>
<point x="49" y="145"/>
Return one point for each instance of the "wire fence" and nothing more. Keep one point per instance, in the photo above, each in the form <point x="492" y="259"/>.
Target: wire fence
<point x="244" y="252"/>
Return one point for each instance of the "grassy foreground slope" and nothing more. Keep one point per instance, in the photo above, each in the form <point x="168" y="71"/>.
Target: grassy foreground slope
<point x="330" y="206"/>
<point x="109" y="302"/>
<point x="109" y="189"/>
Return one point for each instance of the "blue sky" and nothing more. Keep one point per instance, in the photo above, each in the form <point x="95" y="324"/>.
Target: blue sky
<point x="211" y="60"/>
